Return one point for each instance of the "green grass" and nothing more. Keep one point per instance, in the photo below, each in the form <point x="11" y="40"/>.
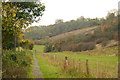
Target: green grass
<point x="39" y="48"/>
<point x="93" y="58"/>
<point x="48" y="70"/>
<point x="111" y="59"/>
<point x="107" y="63"/>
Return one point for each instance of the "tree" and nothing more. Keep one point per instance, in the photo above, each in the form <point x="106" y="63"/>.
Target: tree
<point x="15" y="17"/>
<point x="59" y="21"/>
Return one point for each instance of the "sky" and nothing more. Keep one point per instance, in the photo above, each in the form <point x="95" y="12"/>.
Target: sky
<point x="73" y="9"/>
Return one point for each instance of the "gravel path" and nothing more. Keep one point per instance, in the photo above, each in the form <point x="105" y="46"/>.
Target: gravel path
<point x="36" y="69"/>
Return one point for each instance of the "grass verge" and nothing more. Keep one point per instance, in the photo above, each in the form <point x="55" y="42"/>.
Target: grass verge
<point x="48" y="70"/>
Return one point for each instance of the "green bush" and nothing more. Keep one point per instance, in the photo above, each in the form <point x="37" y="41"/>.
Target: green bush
<point x="16" y="64"/>
<point x="27" y="44"/>
<point x="48" y="48"/>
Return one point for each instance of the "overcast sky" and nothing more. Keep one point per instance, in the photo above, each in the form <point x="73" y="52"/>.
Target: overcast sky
<point x="73" y="9"/>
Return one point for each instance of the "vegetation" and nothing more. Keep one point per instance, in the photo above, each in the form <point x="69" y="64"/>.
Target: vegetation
<point x="81" y="48"/>
<point x="27" y="44"/>
<point x="15" y="17"/>
<point x="16" y="64"/>
<point x="97" y="63"/>
<point x="48" y="70"/>
<point x="39" y="32"/>
<point x="38" y="48"/>
<point x="83" y="52"/>
<point x="104" y="35"/>
<point x="17" y="61"/>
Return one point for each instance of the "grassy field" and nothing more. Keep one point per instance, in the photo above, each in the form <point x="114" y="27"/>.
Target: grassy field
<point x="38" y="48"/>
<point x="48" y="70"/>
<point x="98" y="66"/>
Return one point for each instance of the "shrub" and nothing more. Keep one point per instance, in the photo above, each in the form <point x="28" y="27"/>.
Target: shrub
<point x="78" y="47"/>
<point x="16" y="64"/>
<point x="104" y="43"/>
<point x="27" y="44"/>
<point x="84" y="46"/>
<point x="97" y="41"/>
<point x="48" y="47"/>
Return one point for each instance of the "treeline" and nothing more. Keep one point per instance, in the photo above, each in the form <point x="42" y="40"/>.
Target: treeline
<point x="105" y="35"/>
<point x="40" y="32"/>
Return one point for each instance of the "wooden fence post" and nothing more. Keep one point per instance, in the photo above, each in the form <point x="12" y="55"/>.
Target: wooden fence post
<point x="66" y="62"/>
<point x="87" y="69"/>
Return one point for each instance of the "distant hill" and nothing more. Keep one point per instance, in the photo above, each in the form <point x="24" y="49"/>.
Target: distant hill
<point x="77" y="35"/>
<point x="75" y="32"/>
<point x="39" y="32"/>
<point x="83" y="39"/>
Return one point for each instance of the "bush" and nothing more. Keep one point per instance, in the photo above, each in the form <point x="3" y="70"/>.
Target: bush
<point x="104" y="43"/>
<point x="78" y="47"/>
<point x="83" y="46"/>
<point x="16" y="64"/>
<point x="100" y="40"/>
<point x="48" y="48"/>
<point x="27" y="44"/>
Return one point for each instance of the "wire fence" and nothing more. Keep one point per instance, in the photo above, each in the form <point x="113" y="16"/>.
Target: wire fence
<point x="86" y="67"/>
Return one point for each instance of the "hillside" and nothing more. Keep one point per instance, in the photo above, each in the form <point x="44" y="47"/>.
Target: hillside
<point x="75" y="32"/>
<point x="83" y="39"/>
<point x="77" y="35"/>
<point x="40" y="32"/>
